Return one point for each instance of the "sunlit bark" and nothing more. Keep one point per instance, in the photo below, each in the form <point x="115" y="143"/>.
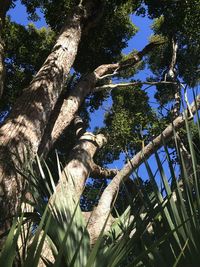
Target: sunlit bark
<point x="22" y="132"/>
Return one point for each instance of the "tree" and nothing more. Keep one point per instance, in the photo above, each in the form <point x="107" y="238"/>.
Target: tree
<point x="53" y="99"/>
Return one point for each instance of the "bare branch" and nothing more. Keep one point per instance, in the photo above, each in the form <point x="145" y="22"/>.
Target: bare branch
<point x="138" y="56"/>
<point x="175" y="111"/>
<point x="105" y="202"/>
<point x="115" y="72"/>
<point x="122" y="85"/>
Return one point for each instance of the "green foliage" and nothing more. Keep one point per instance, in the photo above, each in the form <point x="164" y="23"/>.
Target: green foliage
<point x="180" y="20"/>
<point x="98" y="46"/>
<point x="104" y="44"/>
<point x="26" y="50"/>
<point x="65" y="7"/>
<point x="127" y="122"/>
<point x="92" y="192"/>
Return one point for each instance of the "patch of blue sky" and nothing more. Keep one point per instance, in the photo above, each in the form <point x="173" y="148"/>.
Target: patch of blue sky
<point x="19" y="14"/>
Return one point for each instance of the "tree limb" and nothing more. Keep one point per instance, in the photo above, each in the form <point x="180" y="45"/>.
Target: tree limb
<point x="2" y="69"/>
<point x="79" y="164"/>
<point x="124" y="85"/>
<point x="138" y="56"/>
<point x="174" y="55"/>
<point x="105" y="202"/>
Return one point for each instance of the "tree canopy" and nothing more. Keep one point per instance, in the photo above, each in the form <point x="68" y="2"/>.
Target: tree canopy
<point x="54" y="79"/>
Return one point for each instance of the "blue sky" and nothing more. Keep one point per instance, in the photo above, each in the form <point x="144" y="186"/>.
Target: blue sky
<point x="19" y="15"/>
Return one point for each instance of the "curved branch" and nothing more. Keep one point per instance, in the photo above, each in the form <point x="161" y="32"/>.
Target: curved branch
<point x="105" y="202"/>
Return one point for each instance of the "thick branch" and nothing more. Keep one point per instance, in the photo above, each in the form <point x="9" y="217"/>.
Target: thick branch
<point x="80" y="162"/>
<point x="105" y="202"/>
<point x="138" y="56"/>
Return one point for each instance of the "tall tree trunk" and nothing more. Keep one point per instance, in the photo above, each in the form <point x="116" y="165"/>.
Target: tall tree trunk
<point x="21" y="134"/>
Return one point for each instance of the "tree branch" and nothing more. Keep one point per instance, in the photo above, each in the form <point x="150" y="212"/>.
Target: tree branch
<point x="105" y="202"/>
<point x="174" y="55"/>
<point x="2" y="69"/>
<point x="124" y="85"/>
<point x="79" y="164"/>
<point x="138" y="56"/>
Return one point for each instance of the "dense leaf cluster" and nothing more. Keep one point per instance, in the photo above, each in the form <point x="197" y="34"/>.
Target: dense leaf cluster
<point x="128" y="120"/>
<point x="178" y="20"/>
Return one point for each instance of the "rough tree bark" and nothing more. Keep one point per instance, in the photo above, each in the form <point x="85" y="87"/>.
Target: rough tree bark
<point x="80" y="161"/>
<point x="22" y="132"/>
<point x="76" y="171"/>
